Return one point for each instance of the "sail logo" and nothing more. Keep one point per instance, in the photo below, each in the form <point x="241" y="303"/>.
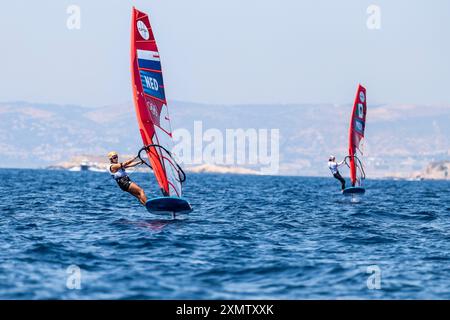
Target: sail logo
<point x="143" y="30"/>
<point x="359" y="126"/>
<point x="152" y="108"/>
<point x="151" y="83"/>
<point x="362" y="96"/>
<point x="360" y="110"/>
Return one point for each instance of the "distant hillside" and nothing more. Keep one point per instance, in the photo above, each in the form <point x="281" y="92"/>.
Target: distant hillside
<point x="436" y="171"/>
<point x="400" y="138"/>
<point x="34" y="135"/>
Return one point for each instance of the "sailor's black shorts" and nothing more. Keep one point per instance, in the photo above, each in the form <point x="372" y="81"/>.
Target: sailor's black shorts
<point x="124" y="183"/>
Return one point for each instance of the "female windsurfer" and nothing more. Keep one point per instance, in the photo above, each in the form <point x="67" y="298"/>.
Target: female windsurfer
<point x="117" y="171"/>
<point x="333" y="165"/>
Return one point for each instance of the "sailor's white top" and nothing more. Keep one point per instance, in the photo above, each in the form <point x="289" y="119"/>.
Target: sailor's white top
<point x="118" y="174"/>
<point x="333" y="165"/>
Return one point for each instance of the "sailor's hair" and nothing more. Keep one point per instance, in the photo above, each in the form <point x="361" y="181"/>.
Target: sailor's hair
<point x="112" y="153"/>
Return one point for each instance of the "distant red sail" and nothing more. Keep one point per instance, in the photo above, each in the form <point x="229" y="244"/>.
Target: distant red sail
<point x="356" y="133"/>
<point x="151" y="104"/>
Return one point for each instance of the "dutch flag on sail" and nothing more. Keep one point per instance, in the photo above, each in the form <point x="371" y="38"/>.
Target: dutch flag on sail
<point x="149" y="60"/>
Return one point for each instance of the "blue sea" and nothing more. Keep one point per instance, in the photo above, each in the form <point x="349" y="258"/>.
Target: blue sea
<point x="76" y="235"/>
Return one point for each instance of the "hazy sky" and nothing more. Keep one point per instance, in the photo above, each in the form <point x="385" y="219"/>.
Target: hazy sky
<point x="229" y="51"/>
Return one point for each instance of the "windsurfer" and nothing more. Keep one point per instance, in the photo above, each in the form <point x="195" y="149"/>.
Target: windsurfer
<point x="117" y="171"/>
<point x="333" y="165"/>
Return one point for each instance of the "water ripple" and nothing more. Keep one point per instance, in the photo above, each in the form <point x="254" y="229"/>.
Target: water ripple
<point x="249" y="237"/>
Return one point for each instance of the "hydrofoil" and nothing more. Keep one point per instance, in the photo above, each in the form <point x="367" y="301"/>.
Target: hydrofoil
<point x="353" y="190"/>
<point x="168" y="205"/>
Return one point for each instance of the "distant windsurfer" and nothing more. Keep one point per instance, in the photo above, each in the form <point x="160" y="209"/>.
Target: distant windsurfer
<point x="117" y="171"/>
<point x="333" y="165"/>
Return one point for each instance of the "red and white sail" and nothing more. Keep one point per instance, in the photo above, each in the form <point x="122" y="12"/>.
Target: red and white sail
<point x="151" y="104"/>
<point x="356" y="135"/>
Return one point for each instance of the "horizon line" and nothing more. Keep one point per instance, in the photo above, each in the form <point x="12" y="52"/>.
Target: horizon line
<point x="130" y="102"/>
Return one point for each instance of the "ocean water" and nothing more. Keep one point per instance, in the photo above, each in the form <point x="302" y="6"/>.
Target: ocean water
<point x="76" y="235"/>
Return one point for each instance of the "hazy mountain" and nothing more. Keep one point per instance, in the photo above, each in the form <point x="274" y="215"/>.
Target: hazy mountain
<point x="399" y="138"/>
<point x="34" y="135"/>
<point x="435" y="170"/>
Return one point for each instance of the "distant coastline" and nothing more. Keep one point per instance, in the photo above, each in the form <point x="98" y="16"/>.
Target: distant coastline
<point x="439" y="170"/>
<point x="47" y="134"/>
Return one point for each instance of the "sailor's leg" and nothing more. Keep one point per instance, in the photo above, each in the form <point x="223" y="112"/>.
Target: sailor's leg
<point x="343" y="183"/>
<point x="138" y="192"/>
<point x="342" y="180"/>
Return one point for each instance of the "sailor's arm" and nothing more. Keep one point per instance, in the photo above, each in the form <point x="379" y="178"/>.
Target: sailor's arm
<point x="133" y="164"/>
<point x="127" y="164"/>
<point x="341" y="163"/>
